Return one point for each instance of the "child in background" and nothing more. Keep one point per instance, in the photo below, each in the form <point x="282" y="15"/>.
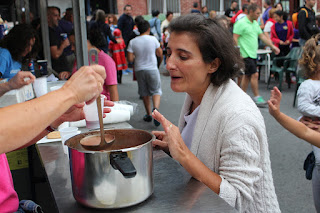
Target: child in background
<point x="118" y="55"/>
<point x="308" y="97"/>
<point x="165" y="39"/>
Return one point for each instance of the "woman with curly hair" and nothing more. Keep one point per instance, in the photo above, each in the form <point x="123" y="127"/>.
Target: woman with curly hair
<point x="308" y="97"/>
<point x="221" y="139"/>
<point x="16" y="47"/>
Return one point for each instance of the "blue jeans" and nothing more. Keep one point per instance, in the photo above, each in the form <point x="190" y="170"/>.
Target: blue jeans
<point x="29" y="206"/>
<point x="302" y="42"/>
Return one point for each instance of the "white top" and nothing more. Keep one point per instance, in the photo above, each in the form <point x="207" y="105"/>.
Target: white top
<point x="144" y="49"/>
<point x="267" y="27"/>
<point x="240" y="16"/>
<point x="187" y="132"/>
<point x="308" y="97"/>
<point x="164" y="24"/>
<point x="230" y="139"/>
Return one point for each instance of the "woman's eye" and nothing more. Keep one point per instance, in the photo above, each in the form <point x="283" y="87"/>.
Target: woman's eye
<point x="183" y="57"/>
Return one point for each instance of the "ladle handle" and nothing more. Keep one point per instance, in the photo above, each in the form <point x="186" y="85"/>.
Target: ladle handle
<point x="100" y="118"/>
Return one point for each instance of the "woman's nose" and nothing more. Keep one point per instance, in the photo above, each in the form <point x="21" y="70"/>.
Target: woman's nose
<point x="169" y="63"/>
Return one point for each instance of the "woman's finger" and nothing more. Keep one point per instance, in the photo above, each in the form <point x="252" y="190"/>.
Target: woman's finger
<point x="164" y="122"/>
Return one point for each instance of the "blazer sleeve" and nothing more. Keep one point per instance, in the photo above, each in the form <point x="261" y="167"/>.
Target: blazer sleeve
<point x="240" y="159"/>
<point x="274" y="36"/>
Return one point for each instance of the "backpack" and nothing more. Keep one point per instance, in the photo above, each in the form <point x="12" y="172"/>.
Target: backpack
<point x="295" y="18"/>
<point x="153" y="28"/>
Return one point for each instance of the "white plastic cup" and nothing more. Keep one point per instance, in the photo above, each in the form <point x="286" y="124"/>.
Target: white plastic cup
<point x="91" y="114"/>
<point x="67" y="133"/>
<point x="40" y="86"/>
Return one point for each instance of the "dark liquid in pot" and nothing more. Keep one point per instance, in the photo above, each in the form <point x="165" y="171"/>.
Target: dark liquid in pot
<point x="124" y="138"/>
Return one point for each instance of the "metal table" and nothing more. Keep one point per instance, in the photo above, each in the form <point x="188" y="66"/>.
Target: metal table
<point x="174" y="189"/>
<point x="267" y="62"/>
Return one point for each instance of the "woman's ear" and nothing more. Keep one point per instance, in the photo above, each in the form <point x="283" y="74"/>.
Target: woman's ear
<point x="214" y="65"/>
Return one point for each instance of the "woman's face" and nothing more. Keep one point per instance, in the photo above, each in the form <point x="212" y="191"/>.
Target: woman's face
<point x="110" y="20"/>
<point x="188" y="72"/>
<point x="279" y="7"/>
<point x="29" y="47"/>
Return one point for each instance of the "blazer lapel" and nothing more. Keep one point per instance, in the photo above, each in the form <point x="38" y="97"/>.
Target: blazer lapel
<point x="207" y="103"/>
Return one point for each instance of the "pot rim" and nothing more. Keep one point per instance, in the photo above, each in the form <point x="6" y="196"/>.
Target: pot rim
<point x="114" y="150"/>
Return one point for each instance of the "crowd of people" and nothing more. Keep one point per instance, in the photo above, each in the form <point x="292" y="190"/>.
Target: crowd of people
<point x="221" y="137"/>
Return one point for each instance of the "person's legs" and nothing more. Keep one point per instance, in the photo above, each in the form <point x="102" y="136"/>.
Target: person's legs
<point x="245" y="82"/>
<point x="144" y="93"/>
<point x="119" y="76"/>
<point x="316" y="186"/>
<point x="254" y="84"/>
<point x="156" y="101"/>
<point x="147" y="104"/>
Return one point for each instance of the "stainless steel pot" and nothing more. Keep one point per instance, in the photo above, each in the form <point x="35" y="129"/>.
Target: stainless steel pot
<point x="115" y="178"/>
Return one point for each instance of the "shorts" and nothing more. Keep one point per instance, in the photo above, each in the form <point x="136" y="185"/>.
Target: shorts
<point x="149" y="82"/>
<point x="250" y="66"/>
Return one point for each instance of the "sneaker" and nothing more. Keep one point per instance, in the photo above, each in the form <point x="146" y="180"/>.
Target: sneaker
<point x="260" y="102"/>
<point x="156" y="123"/>
<point x="147" y="118"/>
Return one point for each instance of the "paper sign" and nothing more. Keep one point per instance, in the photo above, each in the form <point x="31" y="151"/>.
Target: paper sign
<point x="18" y="159"/>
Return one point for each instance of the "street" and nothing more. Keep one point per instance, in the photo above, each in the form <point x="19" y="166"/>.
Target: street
<point x="287" y="152"/>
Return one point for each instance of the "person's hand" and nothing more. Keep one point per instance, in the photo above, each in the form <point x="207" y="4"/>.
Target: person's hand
<point x="19" y="81"/>
<point x="76" y="113"/>
<point x="274" y="102"/>
<point x="65" y="43"/>
<point x="64" y="75"/>
<point x="281" y="42"/>
<point x="275" y="49"/>
<point x="312" y="124"/>
<point x="287" y="42"/>
<point x="171" y="136"/>
<point x="86" y="84"/>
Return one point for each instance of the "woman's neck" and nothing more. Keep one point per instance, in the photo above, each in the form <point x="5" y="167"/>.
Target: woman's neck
<point x="281" y="21"/>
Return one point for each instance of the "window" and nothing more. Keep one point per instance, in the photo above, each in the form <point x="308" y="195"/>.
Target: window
<point x="213" y="5"/>
<point x="164" y="5"/>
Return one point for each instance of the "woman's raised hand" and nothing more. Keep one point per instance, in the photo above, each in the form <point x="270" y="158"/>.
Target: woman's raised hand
<point x="169" y="140"/>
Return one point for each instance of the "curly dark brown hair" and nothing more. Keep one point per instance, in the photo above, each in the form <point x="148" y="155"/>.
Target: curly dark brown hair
<point x="310" y="59"/>
<point x="18" y="39"/>
<point x="214" y="41"/>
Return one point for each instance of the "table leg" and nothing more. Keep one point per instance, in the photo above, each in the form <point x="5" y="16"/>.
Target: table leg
<point x="267" y="68"/>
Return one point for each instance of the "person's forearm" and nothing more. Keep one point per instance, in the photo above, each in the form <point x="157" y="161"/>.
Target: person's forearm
<point x="114" y="95"/>
<point x="24" y="121"/>
<point x="201" y="172"/>
<point x="4" y="87"/>
<point x="56" y="52"/>
<point x="298" y="129"/>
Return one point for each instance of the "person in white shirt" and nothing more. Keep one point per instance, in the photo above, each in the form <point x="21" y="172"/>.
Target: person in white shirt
<point x="308" y="97"/>
<point x="166" y="22"/>
<point x="143" y="51"/>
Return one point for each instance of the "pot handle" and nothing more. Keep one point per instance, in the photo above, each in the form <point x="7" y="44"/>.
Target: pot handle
<point x="121" y="162"/>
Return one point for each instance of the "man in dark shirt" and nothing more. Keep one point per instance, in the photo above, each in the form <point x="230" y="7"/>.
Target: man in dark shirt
<point x="230" y="12"/>
<point x="58" y="57"/>
<point x="307" y="22"/>
<point x="126" y="24"/>
<point x="65" y="26"/>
